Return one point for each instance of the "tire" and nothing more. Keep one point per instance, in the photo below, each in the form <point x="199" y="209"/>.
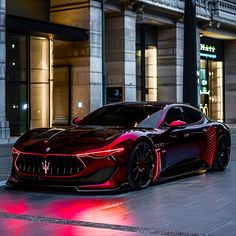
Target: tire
<point x="222" y="155"/>
<point x="140" y="166"/>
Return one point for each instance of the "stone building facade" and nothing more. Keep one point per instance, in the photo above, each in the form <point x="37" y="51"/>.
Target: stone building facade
<point x="52" y="57"/>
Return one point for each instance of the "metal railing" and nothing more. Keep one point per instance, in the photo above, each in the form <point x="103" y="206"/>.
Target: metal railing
<point x="178" y="6"/>
<point x="223" y="10"/>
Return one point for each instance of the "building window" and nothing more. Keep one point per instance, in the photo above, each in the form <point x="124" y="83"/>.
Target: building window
<point x="17" y="103"/>
<point x="146" y="63"/>
<point x="39" y="82"/>
<point x="27" y="91"/>
<point x="151" y="73"/>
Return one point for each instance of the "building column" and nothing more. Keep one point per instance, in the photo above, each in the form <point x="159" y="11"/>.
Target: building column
<point x="4" y="125"/>
<point x="170" y="63"/>
<point x="95" y="36"/>
<point x="230" y="82"/>
<point x="121" y="53"/>
<point x="84" y="57"/>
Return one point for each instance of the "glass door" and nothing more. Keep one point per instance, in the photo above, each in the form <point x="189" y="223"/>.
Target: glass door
<point x="151" y="80"/>
<point x="39" y="82"/>
<point x="151" y="73"/>
<point x="61" y="95"/>
<point x="146" y="63"/>
<point x="211" y="89"/>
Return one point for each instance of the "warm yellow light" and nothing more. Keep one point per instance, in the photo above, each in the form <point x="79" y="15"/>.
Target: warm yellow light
<point x="151" y="73"/>
<point x="51" y="80"/>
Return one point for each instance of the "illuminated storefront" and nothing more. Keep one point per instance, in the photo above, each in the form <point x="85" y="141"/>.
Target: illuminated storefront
<point x="38" y="88"/>
<point x="212" y="78"/>
<point x="54" y="58"/>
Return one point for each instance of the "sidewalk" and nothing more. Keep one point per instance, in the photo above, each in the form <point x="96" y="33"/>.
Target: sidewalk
<point x="12" y="140"/>
<point x="5" y="161"/>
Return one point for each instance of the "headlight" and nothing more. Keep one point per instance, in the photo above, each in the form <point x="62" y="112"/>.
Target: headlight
<point x="15" y="153"/>
<point x="101" y="153"/>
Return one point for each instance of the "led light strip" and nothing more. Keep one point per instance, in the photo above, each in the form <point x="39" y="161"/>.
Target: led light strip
<point x="105" y="152"/>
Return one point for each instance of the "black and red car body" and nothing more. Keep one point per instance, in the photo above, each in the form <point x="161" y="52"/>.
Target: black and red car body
<point x="122" y="144"/>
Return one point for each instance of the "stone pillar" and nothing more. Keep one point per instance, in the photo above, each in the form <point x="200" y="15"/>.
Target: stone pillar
<point x="84" y="57"/>
<point x="198" y="42"/>
<point x="95" y="35"/>
<point x="170" y="63"/>
<point x="230" y="82"/>
<point x="4" y="125"/>
<point x="121" y="53"/>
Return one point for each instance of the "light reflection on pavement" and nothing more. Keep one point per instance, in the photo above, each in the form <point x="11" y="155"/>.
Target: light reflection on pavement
<point x="200" y="203"/>
<point x="205" y="204"/>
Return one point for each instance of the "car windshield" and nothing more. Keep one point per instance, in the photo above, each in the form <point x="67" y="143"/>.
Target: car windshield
<point x="120" y="115"/>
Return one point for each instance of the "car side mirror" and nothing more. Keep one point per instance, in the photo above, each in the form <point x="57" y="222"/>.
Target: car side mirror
<point x="75" y="120"/>
<point x="177" y="123"/>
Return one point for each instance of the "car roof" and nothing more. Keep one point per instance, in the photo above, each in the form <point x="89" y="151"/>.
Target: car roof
<point x="160" y="104"/>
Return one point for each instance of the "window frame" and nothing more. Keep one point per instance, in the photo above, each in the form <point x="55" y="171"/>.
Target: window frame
<point x="164" y="123"/>
<point x="193" y="109"/>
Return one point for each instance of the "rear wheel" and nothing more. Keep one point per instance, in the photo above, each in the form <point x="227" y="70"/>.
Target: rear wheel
<point x="141" y="166"/>
<point x="222" y="155"/>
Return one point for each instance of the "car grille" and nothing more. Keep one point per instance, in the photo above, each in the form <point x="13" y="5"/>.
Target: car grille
<point x="98" y="177"/>
<point x="51" y="165"/>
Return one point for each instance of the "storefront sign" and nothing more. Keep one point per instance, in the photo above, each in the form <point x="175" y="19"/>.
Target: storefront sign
<point x="114" y="94"/>
<point x="211" y="49"/>
<point x="208" y="51"/>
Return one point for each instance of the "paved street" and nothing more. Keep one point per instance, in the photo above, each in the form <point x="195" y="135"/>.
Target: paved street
<point x="193" y="205"/>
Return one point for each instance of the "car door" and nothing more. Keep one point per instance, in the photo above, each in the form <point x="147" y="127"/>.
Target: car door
<point x="196" y="132"/>
<point x="186" y="143"/>
<point x="176" y="148"/>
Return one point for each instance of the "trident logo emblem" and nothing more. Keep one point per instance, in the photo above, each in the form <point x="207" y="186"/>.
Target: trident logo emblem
<point x="45" y="165"/>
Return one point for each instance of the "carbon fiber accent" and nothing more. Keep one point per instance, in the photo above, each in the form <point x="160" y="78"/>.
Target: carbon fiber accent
<point x="98" y="177"/>
<point x="55" y="165"/>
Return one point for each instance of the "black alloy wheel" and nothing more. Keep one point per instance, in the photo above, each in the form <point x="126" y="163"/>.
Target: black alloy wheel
<point x="141" y="166"/>
<point x="222" y="156"/>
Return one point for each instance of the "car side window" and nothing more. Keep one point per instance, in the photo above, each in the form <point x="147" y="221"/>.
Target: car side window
<point x="191" y="115"/>
<point x="173" y="114"/>
<point x="152" y="120"/>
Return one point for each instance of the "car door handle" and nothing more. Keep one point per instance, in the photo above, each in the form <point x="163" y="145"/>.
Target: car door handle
<point x="186" y="135"/>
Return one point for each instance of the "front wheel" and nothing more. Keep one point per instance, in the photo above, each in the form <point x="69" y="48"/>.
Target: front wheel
<point x="222" y="155"/>
<point x="141" y="166"/>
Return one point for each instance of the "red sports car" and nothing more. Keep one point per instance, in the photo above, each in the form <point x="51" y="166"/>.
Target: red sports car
<point x="122" y="144"/>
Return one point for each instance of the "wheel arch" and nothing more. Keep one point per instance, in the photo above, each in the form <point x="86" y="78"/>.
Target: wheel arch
<point x="222" y="155"/>
<point x="220" y="130"/>
<point x="138" y="169"/>
<point x="157" y="156"/>
<point x="147" y="140"/>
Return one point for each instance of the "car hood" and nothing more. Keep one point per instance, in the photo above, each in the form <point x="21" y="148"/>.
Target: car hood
<point x="67" y="140"/>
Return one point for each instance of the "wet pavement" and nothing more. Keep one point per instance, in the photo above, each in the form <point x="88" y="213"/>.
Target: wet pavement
<point x="191" y="205"/>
